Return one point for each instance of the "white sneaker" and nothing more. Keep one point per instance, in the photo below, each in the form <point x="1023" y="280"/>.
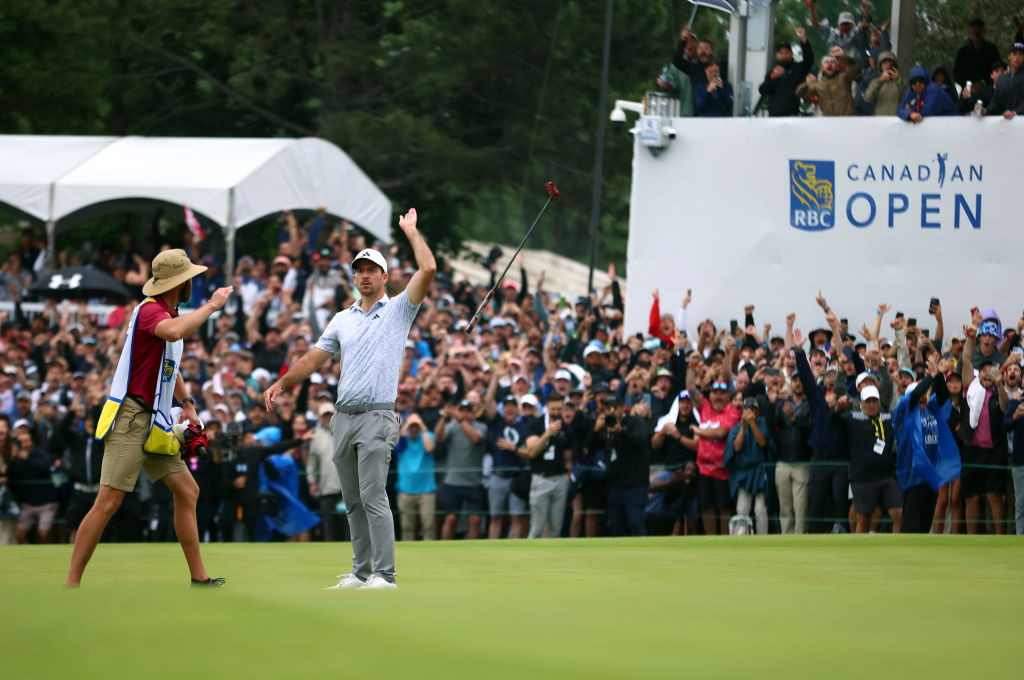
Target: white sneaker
<point x="348" y="582"/>
<point x="378" y="583"/>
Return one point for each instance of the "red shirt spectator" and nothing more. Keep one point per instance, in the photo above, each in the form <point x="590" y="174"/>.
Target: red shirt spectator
<point x="710" y="451"/>
<point x="661" y="327"/>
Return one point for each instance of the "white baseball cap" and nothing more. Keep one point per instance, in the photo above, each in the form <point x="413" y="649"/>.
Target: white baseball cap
<point x="846" y="18"/>
<point x="869" y="392"/>
<point x="530" y="399"/>
<point x="373" y="256"/>
<point x="562" y="374"/>
<point x="866" y="375"/>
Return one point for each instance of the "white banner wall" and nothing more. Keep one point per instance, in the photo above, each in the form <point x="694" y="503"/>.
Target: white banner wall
<point x="870" y="210"/>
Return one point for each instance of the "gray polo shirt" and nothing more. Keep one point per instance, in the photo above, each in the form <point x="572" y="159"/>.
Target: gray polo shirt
<point x="465" y="459"/>
<point x="372" y="345"/>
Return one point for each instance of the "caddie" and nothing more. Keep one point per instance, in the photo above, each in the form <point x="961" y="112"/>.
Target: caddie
<point x="136" y="422"/>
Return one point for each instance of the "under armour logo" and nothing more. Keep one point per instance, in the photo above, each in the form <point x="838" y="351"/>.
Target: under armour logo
<point x="58" y="281"/>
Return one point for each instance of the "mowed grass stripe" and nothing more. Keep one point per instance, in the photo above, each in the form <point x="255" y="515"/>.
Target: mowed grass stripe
<point x="773" y="606"/>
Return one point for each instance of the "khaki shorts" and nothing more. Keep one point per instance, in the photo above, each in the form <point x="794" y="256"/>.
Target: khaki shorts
<point x="123" y="456"/>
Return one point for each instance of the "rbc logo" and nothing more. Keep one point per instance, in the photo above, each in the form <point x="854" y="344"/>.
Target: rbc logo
<point x="167" y="371"/>
<point x="812" y="195"/>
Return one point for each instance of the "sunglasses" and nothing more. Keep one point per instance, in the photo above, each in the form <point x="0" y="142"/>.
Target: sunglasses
<point x="719" y="386"/>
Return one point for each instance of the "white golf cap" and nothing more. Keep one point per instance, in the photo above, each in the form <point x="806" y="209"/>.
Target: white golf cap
<point x="869" y="392"/>
<point x="846" y="18"/>
<point x="530" y="399"/>
<point x="562" y="374"/>
<point x="866" y="375"/>
<point x="373" y="256"/>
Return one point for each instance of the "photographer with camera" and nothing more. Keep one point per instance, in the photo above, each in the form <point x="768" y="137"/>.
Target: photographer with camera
<point x="244" y="500"/>
<point x="625" y="440"/>
<point x="747" y="450"/>
<point x="29" y="477"/>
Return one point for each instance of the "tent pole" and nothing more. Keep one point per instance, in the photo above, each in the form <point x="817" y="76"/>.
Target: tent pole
<point x="229" y="240"/>
<point x="51" y="235"/>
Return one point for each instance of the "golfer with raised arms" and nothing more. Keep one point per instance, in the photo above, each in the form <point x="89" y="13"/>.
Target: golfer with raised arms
<point x="370" y="335"/>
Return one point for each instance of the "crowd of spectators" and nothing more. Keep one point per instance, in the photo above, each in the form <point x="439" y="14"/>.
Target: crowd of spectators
<point x="548" y="420"/>
<point x="858" y="76"/>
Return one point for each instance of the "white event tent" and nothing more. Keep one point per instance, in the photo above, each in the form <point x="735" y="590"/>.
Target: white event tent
<point x="63" y="180"/>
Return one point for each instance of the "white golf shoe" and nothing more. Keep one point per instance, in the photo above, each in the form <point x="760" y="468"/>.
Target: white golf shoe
<point x="348" y="581"/>
<point x="378" y="583"/>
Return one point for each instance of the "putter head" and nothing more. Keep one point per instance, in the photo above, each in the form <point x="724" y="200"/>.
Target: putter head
<point x="553" y="191"/>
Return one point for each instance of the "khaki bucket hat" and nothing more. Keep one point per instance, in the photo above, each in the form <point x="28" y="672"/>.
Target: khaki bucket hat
<point x="171" y="268"/>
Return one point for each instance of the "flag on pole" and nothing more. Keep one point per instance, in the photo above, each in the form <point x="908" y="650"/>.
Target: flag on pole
<point x="193" y="224"/>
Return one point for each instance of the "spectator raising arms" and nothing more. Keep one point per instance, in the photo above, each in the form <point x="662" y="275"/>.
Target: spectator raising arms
<point x="833" y="92"/>
<point x="781" y="83"/>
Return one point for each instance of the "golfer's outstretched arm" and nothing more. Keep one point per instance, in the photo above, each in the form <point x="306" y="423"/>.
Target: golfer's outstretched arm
<point x="419" y="284"/>
<point x="302" y="369"/>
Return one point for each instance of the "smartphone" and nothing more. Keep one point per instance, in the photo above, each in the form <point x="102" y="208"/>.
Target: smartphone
<point x="925" y="332"/>
<point x="912" y="322"/>
<point x="733" y="324"/>
<point x="1017" y="350"/>
<point x="845" y="322"/>
<point x="647" y="399"/>
<point x="933" y="304"/>
<point x="689" y="292"/>
<point x="899" y="315"/>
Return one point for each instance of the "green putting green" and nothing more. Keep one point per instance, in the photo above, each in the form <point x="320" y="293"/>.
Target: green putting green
<point x="730" y="607"/>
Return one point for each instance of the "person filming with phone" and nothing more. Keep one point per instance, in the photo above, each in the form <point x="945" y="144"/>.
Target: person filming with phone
<point x="713" y="100"/>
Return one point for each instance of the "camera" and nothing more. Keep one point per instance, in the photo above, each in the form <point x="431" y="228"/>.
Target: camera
<point x="618" y="119"/>
<point x="610" y="420"/>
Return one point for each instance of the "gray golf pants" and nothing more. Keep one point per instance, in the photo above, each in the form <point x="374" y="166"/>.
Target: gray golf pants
<point x="547" y="504"/>
<point x="362" y="452"/>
